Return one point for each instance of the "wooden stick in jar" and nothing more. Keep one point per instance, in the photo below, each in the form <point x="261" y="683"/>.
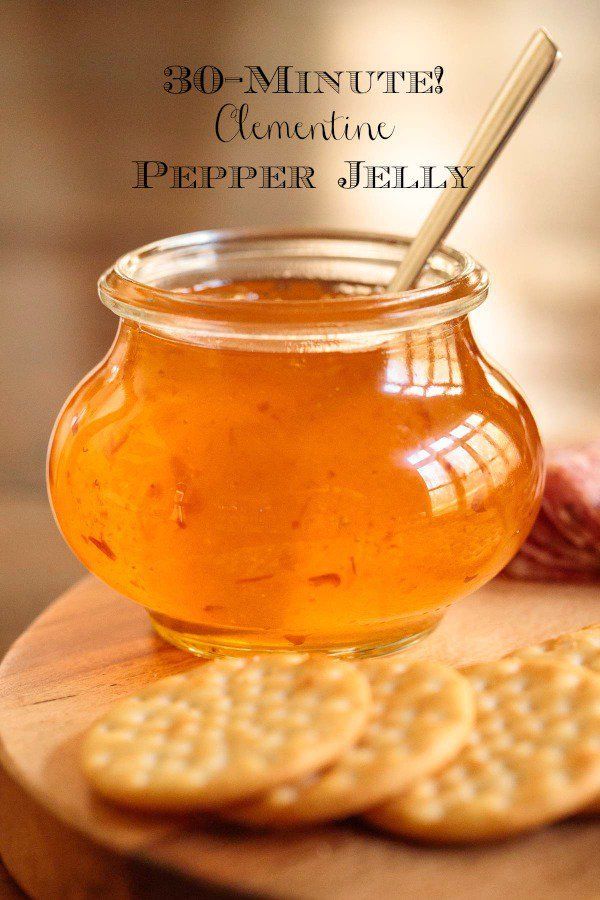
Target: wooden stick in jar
<point x="508" y="108"/>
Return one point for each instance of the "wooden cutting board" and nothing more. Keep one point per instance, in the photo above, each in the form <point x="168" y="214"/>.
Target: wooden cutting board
<point x="92" y="647"/>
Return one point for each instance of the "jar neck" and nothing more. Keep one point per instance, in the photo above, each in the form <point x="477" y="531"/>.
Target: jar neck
<point x="438" y="362"/>
<point x="420" y="347"/>
<point x="420" y="342"/>
<point x="157" y="286"/>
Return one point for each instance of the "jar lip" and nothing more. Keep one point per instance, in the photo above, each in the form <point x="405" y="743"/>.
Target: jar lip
<point x="128" y="290"/>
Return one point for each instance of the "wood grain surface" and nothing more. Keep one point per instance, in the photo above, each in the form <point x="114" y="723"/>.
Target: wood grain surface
<point x="91" y="647"/>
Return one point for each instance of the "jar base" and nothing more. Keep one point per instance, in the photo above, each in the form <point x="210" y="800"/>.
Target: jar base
<point x="208" y="646"/>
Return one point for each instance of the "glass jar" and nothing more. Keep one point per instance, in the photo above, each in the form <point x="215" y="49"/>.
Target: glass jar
<point x="278" y="454"/>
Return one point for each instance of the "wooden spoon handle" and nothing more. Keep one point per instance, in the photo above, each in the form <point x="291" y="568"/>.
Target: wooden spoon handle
<point x="524" y="81"/>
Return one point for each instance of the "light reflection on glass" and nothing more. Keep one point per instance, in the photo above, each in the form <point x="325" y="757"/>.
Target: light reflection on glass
<point x="442" y="492"/>
<point x="461" y="468"/>
<point x="428" y="369"/>
<point x="465" y="465"/>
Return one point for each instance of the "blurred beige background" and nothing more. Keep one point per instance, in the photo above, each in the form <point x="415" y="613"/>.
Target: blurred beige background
<point x="82" y="98"/>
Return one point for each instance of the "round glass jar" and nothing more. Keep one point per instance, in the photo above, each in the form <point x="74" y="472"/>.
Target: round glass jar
<point x="278" y="454"/>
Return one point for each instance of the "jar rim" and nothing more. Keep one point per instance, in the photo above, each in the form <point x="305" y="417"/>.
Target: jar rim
<point x="134" y="287"/>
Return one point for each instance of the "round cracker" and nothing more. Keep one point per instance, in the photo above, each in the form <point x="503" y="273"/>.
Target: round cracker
<point x="579" y="648"/>
<point x="533" y="757"/>
<point x="421" y="715"/>
<point x="226" y="730"/>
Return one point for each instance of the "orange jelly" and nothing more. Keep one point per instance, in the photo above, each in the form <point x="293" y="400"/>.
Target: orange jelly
<point x="261" y="476"/>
